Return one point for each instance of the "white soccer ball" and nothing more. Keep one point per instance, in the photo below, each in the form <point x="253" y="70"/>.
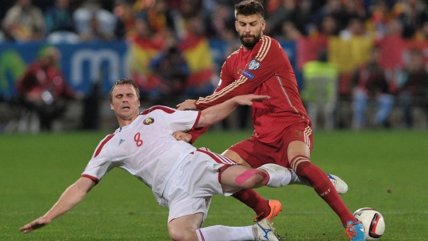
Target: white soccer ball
<point x="373" y="222"/>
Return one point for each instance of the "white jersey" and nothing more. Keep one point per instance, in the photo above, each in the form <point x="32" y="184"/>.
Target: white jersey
<point x="145" y="148"/>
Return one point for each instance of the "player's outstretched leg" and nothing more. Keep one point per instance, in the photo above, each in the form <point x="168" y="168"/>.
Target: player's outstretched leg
<point x="355" y="231"/>
<point x="281" y="176"/>
<point x="278" y="175"/>
<point x="265" y="231"/>
<point x="275" y="209"/>
<point x="338" y="183"/>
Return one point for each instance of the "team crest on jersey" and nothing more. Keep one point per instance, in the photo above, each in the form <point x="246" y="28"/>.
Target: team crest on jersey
<point x="254" y="64"/>
<point x="148" y="121"/>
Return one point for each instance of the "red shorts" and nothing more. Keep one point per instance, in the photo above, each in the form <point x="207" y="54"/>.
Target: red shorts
<point x="257" y="153"/>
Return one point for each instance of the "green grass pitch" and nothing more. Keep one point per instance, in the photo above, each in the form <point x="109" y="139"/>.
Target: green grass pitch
<point x="385" y="170"/>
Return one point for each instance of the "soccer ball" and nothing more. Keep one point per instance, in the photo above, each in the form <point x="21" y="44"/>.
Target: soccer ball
<point x="373" y="222"/>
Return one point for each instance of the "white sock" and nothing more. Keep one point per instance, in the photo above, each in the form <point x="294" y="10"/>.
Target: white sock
<point x="296" y="179"/>
<point x="278" y="175"/>
<point x="225" y="233"/>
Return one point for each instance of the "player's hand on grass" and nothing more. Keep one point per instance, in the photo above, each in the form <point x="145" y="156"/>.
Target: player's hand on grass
<point x="188" y="104"/>
<point x="249" y="99"/>
<point x="182" y="136"/>
<point x="38" y="223"/>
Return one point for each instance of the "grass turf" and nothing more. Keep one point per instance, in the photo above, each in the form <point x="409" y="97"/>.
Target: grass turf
<point x="385" y="170"/>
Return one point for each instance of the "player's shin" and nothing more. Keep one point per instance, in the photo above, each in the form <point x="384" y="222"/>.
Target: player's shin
<point x="278" y="175"/>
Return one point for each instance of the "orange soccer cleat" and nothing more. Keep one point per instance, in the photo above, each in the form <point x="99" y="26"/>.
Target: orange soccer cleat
<point x="275" y="209"/>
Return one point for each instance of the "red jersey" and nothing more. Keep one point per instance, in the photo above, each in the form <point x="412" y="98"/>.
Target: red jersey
<point x="38" y="78"/>
<point x="264" y="70"/>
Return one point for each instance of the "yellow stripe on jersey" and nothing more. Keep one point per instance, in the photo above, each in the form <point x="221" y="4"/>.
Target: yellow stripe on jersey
<point x="264" y="49"/>
<point x="223" y="91"/>
<point x="266" y="43"/>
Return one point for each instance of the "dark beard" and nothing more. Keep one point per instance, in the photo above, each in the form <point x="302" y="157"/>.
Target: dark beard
<point x="249" y="44"/>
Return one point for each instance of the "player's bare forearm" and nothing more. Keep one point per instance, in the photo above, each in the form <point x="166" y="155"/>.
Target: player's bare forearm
<point x="218" y="112"/>
<point x="188" y="104"/>
<point x="69" y="198"/>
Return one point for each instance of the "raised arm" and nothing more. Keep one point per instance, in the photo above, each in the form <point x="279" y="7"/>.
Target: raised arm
<point x="73" y="195"/>
<point x="218" y="112"/>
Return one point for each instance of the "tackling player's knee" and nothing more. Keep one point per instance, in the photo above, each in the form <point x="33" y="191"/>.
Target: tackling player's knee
<point x="297" y="160"/>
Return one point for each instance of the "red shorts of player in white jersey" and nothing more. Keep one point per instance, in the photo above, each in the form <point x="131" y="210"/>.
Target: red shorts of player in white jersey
<point x="194" y="182"/>
<point x="257" y="153"/>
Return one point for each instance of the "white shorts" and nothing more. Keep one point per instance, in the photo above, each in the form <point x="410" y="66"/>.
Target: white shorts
<point x="195" y="181"/>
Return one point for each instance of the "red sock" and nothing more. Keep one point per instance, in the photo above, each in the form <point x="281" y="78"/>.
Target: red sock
<point x="325" y="189"/>
<point x="253" y="200"/>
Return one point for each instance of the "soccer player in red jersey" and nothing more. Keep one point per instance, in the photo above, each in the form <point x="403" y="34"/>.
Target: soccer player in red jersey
<point x="283" y="133"/>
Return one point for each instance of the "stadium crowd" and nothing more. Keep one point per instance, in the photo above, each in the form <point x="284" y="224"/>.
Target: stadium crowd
<point x="376" y="51"/>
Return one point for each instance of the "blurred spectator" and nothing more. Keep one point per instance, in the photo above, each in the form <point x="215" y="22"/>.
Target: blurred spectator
<point x="353" y="9"/>
<point x="172" y="70"/>
<point x="414" y="86"/>
<point x="422" y="33"/>
<point x="296" y="12"/>
<point x="309" y="47"/>
<point x="125" y="24"/>
<point x="159" y="17"/>
<point x="320" y="90"/>
<point x="43" y="88"/>
<point x="143" y="47"/>
<point x="289" y="32"/>
<point x="219" y="23"/>
<point x="334" y="9"/>
<point x="379" y="16"/>
<point x="94" y="23"/>
<point x="410" y="14"/>
<point x="348" y="51"/>
<point x="197" y="53"/>
<point x="187" y="9"/>
<point x="95" y="31"/>
<point x="355" y="28"/>
<point x="313" y="25"/>
<point x="59" y="23"/>
<point x="59" y="17"/>
<point x="392" y="45"/>
<point x="23" y="22"/>
<point x="141" y="5"/>
<point x="328" y="26"/>
<point x="371" y="85"/>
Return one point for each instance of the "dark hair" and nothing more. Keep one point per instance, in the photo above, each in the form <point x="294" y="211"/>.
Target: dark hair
<point x="249" y="7"/>
<point x="124" y="82"/>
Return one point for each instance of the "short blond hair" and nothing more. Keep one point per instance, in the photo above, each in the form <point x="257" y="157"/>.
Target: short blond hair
<point x="124" y="82"/>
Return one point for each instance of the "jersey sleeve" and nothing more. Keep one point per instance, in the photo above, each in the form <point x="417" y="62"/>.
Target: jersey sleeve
<point x="97" y="168"/>
<point x="197" y="132"/>
<point x="100" y="162"/>
<point x="225" y="74"/>
<point x="263" y="65"/>
<point x="173" y="119"/>
<point x="185" y="120"/>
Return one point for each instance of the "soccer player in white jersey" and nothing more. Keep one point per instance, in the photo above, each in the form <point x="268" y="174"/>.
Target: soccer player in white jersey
<point x="181" y="177"/>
